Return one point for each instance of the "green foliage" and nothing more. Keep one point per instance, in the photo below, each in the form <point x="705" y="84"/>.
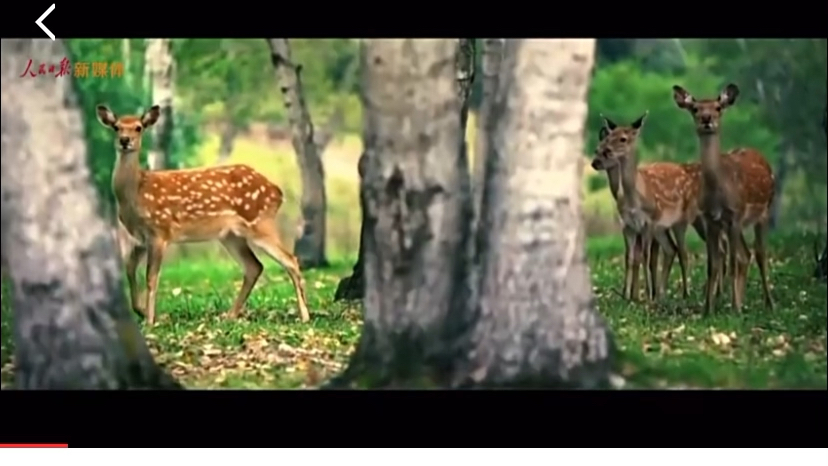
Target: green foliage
<point x="126" y="94"/>
<point x="233" y="79"/>
<point x="597" y="183"/>
<point x="622" y="92"/>
<point x="122" y="95"/>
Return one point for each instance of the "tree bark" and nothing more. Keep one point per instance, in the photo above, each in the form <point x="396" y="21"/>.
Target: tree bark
<point x="414" y="206"/>
<point x="72" y="329"/>
<point x="228" y="139"/>
<point x="161" y="64"/>
<point x="535" y="324"/>
<point x="310" y="246"/>
<point x="353" y="286"/>
<point x="491" y="58"/>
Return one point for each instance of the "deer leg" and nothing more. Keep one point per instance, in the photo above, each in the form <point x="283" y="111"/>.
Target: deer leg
<point x="241" y="252"/>
<point x="137" y="295"/>
<point x="667" y="243"/>
<point x="714" y="263"/>
<point x="726" y="271"/>
<point x="760" y="231"/>
<point x="155" y="256"/>
<point x="630" y="240"/>
<point x="653" y="262"/>
<point x="738" y="258"/>
<point x="646" y="242"/>
<point x="742" y="265"/>
<point x="680" y="232"/>
<point x="267" y="238"/>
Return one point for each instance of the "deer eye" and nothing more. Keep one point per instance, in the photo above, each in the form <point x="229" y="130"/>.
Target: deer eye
<point x="138" y="129"/>
<point x="694" y="110"/>
<point x="718" y="108"/>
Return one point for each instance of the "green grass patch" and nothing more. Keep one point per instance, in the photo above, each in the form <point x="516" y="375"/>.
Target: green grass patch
<point x="665" y="345"/>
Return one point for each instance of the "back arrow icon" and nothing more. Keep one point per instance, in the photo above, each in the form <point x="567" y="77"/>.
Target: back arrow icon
<point x="39" y="22"/>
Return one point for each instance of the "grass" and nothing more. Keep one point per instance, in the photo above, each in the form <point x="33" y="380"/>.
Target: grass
<point x="668" y="345"/>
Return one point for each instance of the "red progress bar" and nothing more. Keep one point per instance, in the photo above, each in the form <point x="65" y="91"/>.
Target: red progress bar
<point x="34" y="445"/>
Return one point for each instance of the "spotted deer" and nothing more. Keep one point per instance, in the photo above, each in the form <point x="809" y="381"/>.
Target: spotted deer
<point x="668" y="196"/>
<point x="737" y="191"/>
<point x="233" y="204"/>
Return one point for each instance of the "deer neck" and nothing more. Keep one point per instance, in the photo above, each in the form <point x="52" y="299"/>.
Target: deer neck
<point x="614" y="178"/>
<point x="711" y="157"/>
<point x="628" y="168"/>
<point x="126" y="178"/>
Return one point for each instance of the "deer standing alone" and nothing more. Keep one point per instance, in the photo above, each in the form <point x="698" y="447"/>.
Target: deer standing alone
<point x="233" y="204"/>
<point x="667" y="194"/>
<point x="737" y="192"/>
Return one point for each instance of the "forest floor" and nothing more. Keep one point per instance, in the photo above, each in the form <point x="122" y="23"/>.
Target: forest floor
<point x="667" y="345"/>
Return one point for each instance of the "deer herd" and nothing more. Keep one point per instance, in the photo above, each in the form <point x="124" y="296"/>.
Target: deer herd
<point x="719" y="196"/>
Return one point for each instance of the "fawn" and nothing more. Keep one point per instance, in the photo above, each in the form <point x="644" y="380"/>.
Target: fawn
<point x="233" y="204"/>
<point x="667" y="193"/>
<point x="737" y="192"/>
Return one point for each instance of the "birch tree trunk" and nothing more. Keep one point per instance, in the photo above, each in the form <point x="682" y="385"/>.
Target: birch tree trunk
<point x="310" y="246"/>
<point x="161" y="64"/>
<point x="535" y="325"/>
<point x="353" y="286"/>
<point x="72" y="327"/>
<point x="414" y="205"/>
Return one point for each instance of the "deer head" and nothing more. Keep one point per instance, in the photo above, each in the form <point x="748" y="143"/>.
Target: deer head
<point x="616" y="142"/>
<point x="707" y="113"/>
<point x="129" y="128"/>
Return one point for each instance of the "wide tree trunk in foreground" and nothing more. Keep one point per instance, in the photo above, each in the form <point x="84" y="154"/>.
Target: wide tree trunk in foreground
<point x="310" y="246"/>
<point x="161" y="66"/>
<point x="353" y="286"/>
<point x="535" y="323"/>
<point x="72" y="326"/>
<point x="414" y="205"/>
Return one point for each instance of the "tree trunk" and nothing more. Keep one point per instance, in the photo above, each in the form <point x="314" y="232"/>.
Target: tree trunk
<point x="535" y="325"/>
<point x="821" y="271"/>
<point x="414" y="206"/>
<point x="353" y="286"/>
<point x="310" y="246"/>
<point x="491" y="57"/>
<point x="161" y="64"/>
<point x="72" y="326"/>
<point x="781" y="177"/>
<point x="228" y="138"/>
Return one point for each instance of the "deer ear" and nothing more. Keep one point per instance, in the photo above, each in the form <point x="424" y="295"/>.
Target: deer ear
<point x="151" y="116"/>
<point x="105" y="116"/>
<point x="682" y="97"/>
<point x="637" y="124"/>
<point x="603" y="133"/>
<point x="609" y="124"/>
<point x="728" y="95"/>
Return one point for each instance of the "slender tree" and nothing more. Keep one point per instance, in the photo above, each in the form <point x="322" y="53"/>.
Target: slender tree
<point x="310" y="246"/>
<point x="160" y="64"/>
<point x="72" y="327"/>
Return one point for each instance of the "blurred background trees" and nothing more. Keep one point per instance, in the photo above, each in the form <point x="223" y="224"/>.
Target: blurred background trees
<point x="228" y="108"/>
